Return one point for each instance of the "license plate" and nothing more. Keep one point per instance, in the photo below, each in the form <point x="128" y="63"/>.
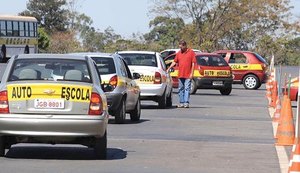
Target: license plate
<point x="217" y="82"/>
<point x="49" y="103"/>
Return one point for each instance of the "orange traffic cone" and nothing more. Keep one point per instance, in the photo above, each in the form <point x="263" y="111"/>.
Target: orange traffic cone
<point x="294" y="164"/>
<point x="274" y="95"/>
<point x="276" y="114"/>
<point x="269" y="88"/>
<point x="283" y="107"/>
<point x="286" y="129"/>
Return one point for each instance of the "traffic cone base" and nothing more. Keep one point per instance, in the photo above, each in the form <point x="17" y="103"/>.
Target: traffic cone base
<point x="286" y="129"/>
<point x="294" y="164"/>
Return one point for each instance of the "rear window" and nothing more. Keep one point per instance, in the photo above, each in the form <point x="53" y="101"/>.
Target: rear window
<point x="260" y="58"/>
<point x="140" y="59"/>
<point x="105" y="65"/>
<point x="205" y="60"/>
<point x="50" y="69"/>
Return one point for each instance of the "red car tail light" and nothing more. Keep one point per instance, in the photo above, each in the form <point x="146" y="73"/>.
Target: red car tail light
<point x="114" y="81"/>
<point x="157" y="78"/>
<point x="264" y="67"/>
<point x="96" y="107"/>
<point x="4" y="102"/>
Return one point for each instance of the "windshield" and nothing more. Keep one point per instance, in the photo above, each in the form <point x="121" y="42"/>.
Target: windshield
<point x="140" y="59"/>
<point x="50" y="69"/>
<point x="105" y="65"/>
<point x="211" y="60"/>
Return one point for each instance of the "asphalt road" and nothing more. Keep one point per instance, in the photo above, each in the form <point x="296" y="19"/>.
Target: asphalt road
<point x="229" y="134"/>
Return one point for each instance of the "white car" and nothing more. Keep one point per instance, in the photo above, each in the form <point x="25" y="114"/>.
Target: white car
<point x="155" y="82"/>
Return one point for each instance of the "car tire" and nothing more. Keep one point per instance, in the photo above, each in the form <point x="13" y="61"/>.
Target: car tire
<point x="169" y="99"/>
<point x="162" y="101"/>
<point x="2" y="146"/>
<point x="226" y="91"/>
<point x="193" y="87"/>
<point x="120" y="114"/>
<point x="135" y="114"/>
<point x="251" y="82"/>
<point x="100" y="147"/>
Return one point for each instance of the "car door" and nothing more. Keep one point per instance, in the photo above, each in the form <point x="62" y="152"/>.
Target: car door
<point x="239" y="65"/>
<point x="130" y="84"/>
<point x="166" y="77"/>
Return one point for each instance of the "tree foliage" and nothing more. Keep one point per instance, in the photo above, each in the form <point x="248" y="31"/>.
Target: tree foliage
<point x="43" y="40"/>
<point x="165" y="31"/>
<point x="263" y="26"/>
<point x="50" y="14"/>
<point x="257" y="25"/>
<point x="63" y="42"/>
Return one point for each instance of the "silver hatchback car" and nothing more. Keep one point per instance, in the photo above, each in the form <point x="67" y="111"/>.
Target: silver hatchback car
<point x="121" y="89"/>
<point x="51" y="98"/>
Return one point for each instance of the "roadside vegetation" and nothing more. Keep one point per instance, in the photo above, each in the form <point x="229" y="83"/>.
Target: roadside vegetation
<point x="264" y="26"/>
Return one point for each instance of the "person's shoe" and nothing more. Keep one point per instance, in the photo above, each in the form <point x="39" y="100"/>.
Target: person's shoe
<point x="180" y="105"/>
<point x="186" y="105"/>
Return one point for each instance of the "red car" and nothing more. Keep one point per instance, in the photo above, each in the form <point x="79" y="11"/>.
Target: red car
<point x="211" y="72"/>
<point x="248" y="68"/>
<point x="294" y="88"/>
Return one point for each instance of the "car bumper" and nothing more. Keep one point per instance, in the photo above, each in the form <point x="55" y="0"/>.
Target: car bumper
<point x="152" y="90"/>
<point x="209" y="83"/>
<point x="56" y="125"/>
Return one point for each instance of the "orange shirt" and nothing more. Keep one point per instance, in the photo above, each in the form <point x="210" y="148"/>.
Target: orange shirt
<point x="184" y="61"/>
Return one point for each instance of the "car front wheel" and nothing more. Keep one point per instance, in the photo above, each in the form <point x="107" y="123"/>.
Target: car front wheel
<point x="226" y="91"/>
<point x="169" y="99"/>
<point x="251" y="82"/>
<point x="135" y="115"/>
<point x="120" y="114"/>
<point x="193" y="87"/>
<point x="162" y="101"/>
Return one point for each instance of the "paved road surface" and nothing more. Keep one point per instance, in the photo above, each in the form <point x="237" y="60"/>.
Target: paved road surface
<point x="217" y="134"/>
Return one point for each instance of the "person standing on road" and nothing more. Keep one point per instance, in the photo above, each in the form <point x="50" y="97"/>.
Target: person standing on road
<point x="185" y="58"/>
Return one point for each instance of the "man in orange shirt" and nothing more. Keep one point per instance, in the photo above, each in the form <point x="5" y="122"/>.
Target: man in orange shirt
<point x="185" y="58"/>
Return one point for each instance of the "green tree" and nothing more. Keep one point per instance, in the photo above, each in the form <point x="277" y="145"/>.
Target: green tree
<point x="293" y="53"/>
<point x="43" y="40"/>
<point x="50" y="14"/>
<point x="233" y="24"/>
<point x="77" y="22"/>
<point x="166" y="31"/>
<point x="93" y="40"/>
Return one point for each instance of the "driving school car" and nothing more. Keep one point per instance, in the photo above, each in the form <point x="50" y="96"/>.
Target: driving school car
<point x="294" y="88"/>
<point x="52" y="98"/>
<point x="167" y="52"/>
<point x="121" y="90"/>
<point x="155" y="83"/>
<point x="210" y="72"/>
<point x="249" y="68"/>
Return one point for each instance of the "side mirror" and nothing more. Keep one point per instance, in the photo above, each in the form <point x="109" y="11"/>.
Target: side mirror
<point x="136" y="75"/>
<point x="171" y="70"/>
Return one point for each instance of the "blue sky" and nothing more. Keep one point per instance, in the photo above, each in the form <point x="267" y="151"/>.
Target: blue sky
<point x="124" y="16"/>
